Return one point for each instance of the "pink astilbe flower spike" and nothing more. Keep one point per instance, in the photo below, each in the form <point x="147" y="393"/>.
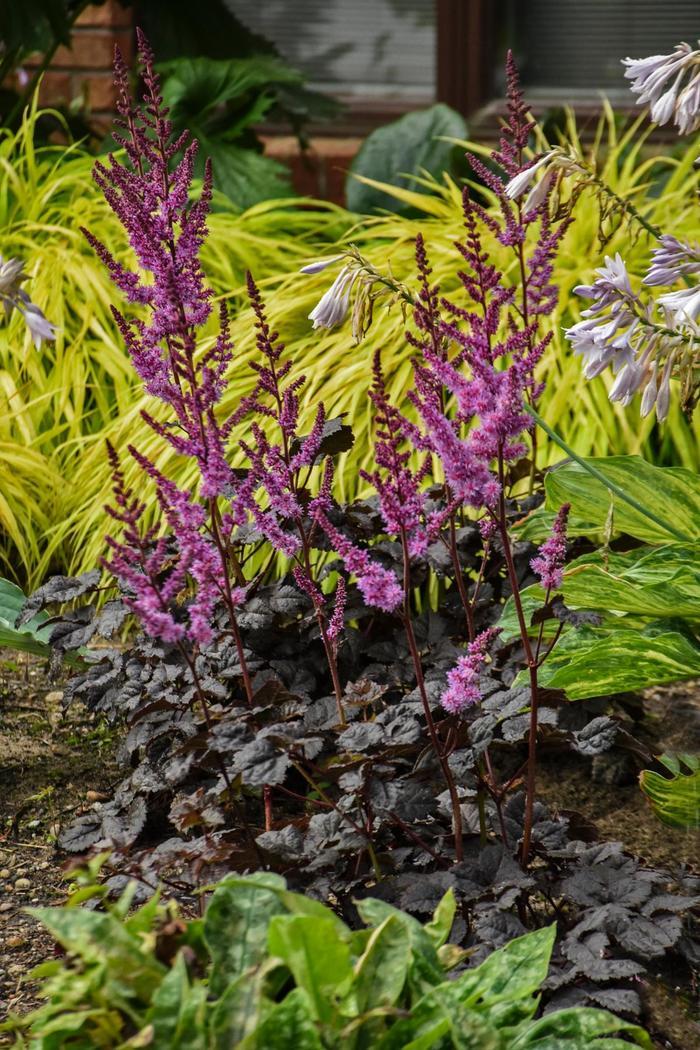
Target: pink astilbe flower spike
<point x="549" y="563"/>
<point x="378" y="586"/>
<point x="463" y="680"/>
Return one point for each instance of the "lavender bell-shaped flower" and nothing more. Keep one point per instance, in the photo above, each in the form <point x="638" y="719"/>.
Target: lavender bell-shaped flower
<point x="650" y="82"/>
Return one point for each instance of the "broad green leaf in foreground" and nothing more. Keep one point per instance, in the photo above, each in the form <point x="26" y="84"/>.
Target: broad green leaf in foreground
<point x="236" y="923"/>
<point x="317" y="958"/>
<point x="675" y="799"/>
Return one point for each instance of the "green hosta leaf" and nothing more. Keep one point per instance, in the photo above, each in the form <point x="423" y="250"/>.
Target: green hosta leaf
<point x="410" y="146"/>
<point x="288" y="1026"/>
<point x="675" y="799"/>
<point x="31" y="637"/>
<point x="651" y="581"/>
<point x="381" y="971"/>
<point x="618" y="657"/>
<point x="671" y="494"/>
<point x="318" y="959"/>
<point x="577" y="1029"/>
<point x="236" y="925"/>
<point x="178" y="1012"/>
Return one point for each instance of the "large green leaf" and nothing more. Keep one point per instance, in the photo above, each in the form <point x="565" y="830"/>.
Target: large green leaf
<point x="381" y="971"/>
<point x="237" y="1013"/>
<point x="318" y="959"/>
<point x="289" y="1025"/>
<point x="654" y="582"/>
<point x="218" y="101"/>
<point x="178" y="1012"/>
<point x="236" y="925"/>
<point x="515" y="971"/>
<point x="440" y="1020"/>
<point x="578" y="1029"/>
<point x="620" y="657"/>
<point x="398" y="152"/>
<point x="671" y="494"/>
<point x="373" y="912"/>
<point x="675" y="799"/>
<point x="31" y="637"/>
<point x="99" y="938"/>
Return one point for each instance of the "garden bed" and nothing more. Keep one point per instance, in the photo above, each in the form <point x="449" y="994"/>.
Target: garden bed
<point x="57" y="762"/>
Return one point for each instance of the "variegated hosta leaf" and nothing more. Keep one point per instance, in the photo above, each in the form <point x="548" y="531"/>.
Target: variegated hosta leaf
<point x="618" y="658"/>
<point x="671" y="494"/>
<point x="675" y="799"/>
<point x="31" y="637"/>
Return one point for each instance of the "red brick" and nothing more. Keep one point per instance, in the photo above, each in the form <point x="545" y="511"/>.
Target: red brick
<point x="97" y="88"/>
<point x="55" y="88"/>
<point x="109" y="14"/>
<point x="92" y="49"/>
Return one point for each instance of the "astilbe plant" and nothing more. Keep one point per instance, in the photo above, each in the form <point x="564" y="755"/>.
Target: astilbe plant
<point x="474" y="373"/>
<point x="474" y="376"/>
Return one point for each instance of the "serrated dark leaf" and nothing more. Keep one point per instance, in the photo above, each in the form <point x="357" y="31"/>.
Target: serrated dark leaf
<point x="57" y="590"/>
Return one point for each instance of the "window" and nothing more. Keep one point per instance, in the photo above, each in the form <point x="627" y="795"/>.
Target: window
<point x="359" y="50"/>
<point x="572" y="49"/>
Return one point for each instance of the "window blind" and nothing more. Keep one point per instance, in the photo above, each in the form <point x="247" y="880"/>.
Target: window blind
<point x="577" y="45"/>
<point x="363" y="48"/>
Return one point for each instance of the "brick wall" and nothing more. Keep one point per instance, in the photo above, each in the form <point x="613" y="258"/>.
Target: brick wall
<point x="84" y="70"/>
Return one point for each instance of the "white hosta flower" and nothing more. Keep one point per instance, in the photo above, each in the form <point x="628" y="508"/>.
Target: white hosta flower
<point x="520" y="182"/>
<point x="628" y="382"/>
<point x="650" y="393"/>
<point x="11" y="276"/>
<point x="332" y="307"/>
<point x="38" y="325"/>
<point x="688" y="108"/>
<point x="673" y="260"/>
<point x="683" y="305"/>
<point x="651" y="81"/>
<point x="320" y="264"/>
<point x="538" y="194"/>
<point x="14" y="297"/>
<point x="663" y="397"/>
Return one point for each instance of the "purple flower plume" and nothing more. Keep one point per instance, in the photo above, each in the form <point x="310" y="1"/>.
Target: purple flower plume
<point x="549" y="563"/>
<point x="378" y="586"/>
<point x="463" y="680"/>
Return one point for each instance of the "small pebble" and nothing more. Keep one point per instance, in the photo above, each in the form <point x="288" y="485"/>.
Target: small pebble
<point x="55" y="697"/>
<point x="16" y="942"/>
<point x="21" y="873"/>
<point x="5" y="873"/>
<point x="22" y="884"/>
<point x="7" y="906"/>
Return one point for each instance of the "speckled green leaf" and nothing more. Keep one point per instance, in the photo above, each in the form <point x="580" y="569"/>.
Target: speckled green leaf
<point x="236" y="925"/>
<point x="288" y="1026"/>
<point x="577" y="1029"/>
<point x="316" y="956"/>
